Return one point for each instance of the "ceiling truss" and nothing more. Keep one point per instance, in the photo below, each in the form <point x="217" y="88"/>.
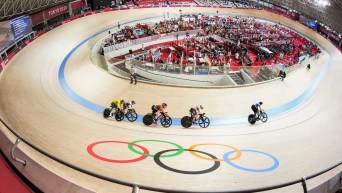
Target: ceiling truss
<point x="12" y="8"/>
<point x="329" y="15"/>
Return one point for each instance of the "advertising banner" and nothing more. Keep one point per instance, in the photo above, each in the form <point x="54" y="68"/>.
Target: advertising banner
<point x="332" y="36"/>
<point x="77" y="4"/>
<point x="280" y="9"/>
<point x="56" y="11"/>
<point x="37" y="18"/>
<point x="295" y="16"/>
<point x="308" y="22"/>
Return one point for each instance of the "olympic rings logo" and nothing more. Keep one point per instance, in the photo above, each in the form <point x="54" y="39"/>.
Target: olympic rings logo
<point x="144" y="153"/>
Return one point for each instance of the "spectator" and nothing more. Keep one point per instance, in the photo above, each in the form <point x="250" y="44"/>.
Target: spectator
<point x="282" y="75"/>
<point x="133" y="75"/>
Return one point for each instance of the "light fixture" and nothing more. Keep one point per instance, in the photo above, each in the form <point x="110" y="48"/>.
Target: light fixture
<point x="321" y="3"/>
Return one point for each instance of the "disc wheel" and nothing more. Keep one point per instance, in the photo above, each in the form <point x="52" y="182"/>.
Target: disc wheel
<point x="119" y="116"/>
<point x="186" y="122"/>
<point x="148" y="119"/>
<point x="166" y="121"/>
<point x="106" y="113"/>
<point x="204" y="122"/>
<point x="251" y="119"/>
<point x="131" y="115"/>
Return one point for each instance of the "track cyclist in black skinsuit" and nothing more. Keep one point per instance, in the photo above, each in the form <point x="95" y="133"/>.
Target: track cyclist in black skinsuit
<point x="195" y="112"/>
<point x="256" y="108"/>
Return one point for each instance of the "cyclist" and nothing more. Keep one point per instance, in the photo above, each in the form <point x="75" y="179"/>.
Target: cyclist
<point x="256" y="108"/>
<point x="116" y="105"/>
<point x="195" y="112"/>
<point x="128" y="105"/>
<point x="156" y="109"/>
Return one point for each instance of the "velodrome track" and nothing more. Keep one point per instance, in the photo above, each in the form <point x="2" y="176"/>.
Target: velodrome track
<point x="50" y="106"/>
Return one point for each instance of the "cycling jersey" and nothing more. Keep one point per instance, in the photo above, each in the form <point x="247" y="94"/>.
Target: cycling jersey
<point x="118" y="104"/>
<point x="156" y="108"/>
<point x="160" y="108"/>
<point x="195" y="110"/>
<point x="127" y="105"/>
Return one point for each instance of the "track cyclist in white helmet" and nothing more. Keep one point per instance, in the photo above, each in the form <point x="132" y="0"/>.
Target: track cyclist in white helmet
<point x="196" y="111"/>
<point x="128" y="105"/>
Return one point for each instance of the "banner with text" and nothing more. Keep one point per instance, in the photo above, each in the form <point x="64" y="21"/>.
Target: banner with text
<point x="295" y="16"/>
<point x="21" y="26"/>
<point x="332" y="36"/>
<point x="280" y="9"/>
<point x="56" y="11"/>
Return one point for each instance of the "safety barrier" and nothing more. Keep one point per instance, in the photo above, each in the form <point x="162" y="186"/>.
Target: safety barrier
<point x="12" y="153"/>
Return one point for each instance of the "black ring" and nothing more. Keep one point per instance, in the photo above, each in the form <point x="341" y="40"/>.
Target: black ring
<point x="213" y="168"/>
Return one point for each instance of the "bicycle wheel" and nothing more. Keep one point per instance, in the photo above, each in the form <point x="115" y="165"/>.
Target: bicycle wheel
<point x="119" y="115"/>
<point x="166" y="121"/>
<point x="106" y="113"/>
<point x="186" y="122"/>
<point x="204" y="122"/>
<point x="131" y="115"/>
<point x="251" y="119"/>
<point x="148" y="119"/>
<point x="263" y="117"/>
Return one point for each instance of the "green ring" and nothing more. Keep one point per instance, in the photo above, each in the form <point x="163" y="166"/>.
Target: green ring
<point x="180" y="148"/>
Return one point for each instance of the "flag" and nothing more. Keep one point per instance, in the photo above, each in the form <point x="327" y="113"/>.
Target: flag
<point x="207" y="59"/>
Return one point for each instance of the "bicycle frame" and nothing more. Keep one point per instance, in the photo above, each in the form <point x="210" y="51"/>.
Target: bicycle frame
<point x="160" y="117"/>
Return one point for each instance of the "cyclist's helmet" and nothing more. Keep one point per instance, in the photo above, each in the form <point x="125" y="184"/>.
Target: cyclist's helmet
<point x="132" y="102"/>
<point x="260" y="103"/>
<point x="164" y="105"/>
<point x="122" y="101"/>
<point x="201" y="106"/>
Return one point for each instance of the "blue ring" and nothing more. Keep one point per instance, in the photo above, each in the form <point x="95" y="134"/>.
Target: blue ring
<point x="275" y="165"/>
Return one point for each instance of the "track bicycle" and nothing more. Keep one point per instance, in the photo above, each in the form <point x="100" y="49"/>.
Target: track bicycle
<point x="252" y="119"/>
<point x="203" y="121"/>
<point x="164" y="119"/>
<point x="119" y="115"/>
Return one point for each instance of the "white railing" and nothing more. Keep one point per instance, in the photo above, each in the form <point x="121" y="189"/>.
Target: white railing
<point x="139" y="41"/>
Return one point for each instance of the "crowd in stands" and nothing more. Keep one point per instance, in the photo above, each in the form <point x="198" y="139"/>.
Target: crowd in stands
<point x="228" y="3"/>
<point x="207" y="2"/>
<point x="225" y="3"/>
<point x="223" y="40"/>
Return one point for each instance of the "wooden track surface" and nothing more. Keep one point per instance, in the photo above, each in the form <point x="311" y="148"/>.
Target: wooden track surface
<point x="304" y="139"/>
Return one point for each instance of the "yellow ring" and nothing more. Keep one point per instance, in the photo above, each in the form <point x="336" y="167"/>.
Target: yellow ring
<point x="238" y="152"/>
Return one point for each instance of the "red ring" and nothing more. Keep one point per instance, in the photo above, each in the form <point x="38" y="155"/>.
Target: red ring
<point x="92" y="153"/>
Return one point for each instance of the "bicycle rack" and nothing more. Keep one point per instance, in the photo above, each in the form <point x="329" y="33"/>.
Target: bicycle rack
<point x="135" y="189"/>
<point x="304" y="185"/>
<point x="12" y="153"/>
